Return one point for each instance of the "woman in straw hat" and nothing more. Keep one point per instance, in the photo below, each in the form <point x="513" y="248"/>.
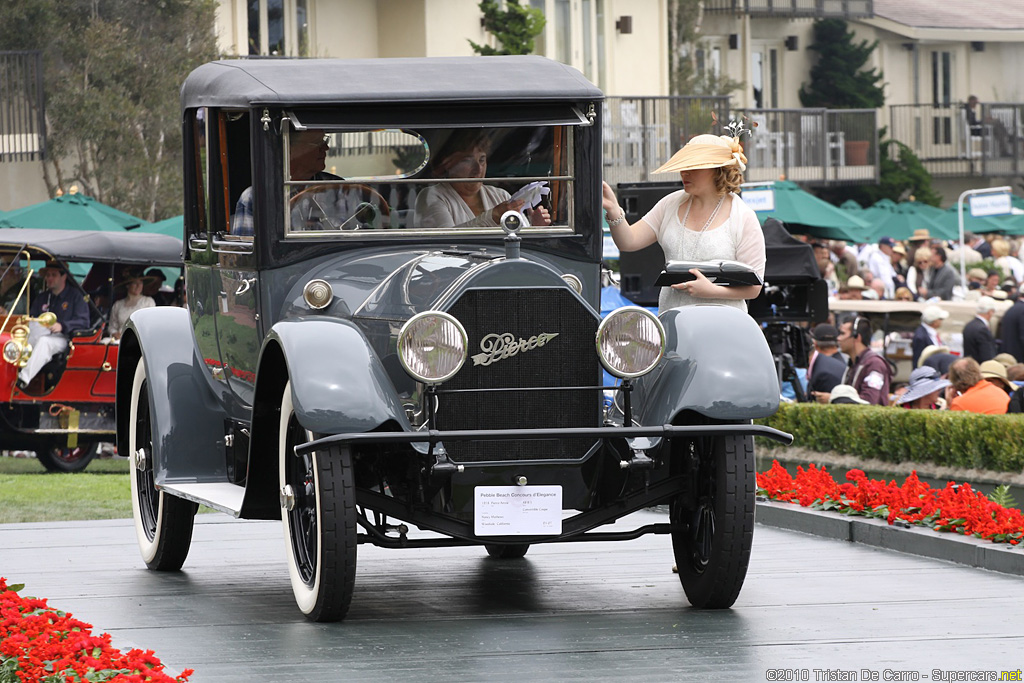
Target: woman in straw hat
<point x="134" y="299"/>
<point x="704" y="221"/>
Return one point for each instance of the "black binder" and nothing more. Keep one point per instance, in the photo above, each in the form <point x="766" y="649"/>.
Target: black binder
<point x="725" y="273"/>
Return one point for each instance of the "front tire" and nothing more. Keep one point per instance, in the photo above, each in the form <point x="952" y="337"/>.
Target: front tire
<point x="320" y="526"/>
<point x="713" y="531"/>
<point x="63" y="459"/>
<point x="163" y="523"/>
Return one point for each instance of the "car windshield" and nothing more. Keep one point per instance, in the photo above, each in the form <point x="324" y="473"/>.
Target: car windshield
<point x="426" y="180"/>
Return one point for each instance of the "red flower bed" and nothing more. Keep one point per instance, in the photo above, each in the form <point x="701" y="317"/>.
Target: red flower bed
<point x="957" y="507"/>
<point x="39" y="643"/>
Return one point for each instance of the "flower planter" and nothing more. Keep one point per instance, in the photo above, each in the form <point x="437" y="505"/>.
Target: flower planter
<point x="857" y="152"/>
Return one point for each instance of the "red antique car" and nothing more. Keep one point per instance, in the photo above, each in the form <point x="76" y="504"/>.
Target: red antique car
<point x="67" y="410"/>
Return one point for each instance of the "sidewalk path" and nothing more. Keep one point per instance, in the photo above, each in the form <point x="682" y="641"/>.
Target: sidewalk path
<point x="571" y="612"/>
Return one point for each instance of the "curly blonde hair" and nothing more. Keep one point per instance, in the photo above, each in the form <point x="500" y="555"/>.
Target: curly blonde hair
<point x="728" y="179"/>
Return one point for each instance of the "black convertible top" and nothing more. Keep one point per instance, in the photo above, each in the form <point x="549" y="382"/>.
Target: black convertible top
<point x="251" y="82"/>
<point x="96" y="245"/>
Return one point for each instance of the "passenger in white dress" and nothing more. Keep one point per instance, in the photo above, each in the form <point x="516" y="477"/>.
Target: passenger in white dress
<point x="133" y="301"/>
<point x="705" y="221"/>
<point x="467" y="204"/>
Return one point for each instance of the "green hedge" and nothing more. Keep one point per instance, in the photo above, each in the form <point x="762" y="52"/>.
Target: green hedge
<point x="942" y="437"/>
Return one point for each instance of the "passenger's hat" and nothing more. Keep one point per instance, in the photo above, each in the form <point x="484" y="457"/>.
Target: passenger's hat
<point x="920" y="234"/>
<point x="996" y="371"/>
<point x="932" y="313"/>
<point x="706" y="151"/>
<point x="845" y="393"/>
<point x="825" y="333"/>
<point x="53" y="264"/>
<point x="133" y="274"/>
<point x="855" y="282"/>
<point x="923" y="381"/>
<point x="930" y="351"/>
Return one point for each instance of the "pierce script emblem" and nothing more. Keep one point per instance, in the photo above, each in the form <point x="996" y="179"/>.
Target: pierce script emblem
<point x="495" y="347"/>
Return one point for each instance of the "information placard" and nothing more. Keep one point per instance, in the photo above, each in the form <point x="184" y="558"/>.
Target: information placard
<point x="759" y="200"/>
<point x="990" y="204"/>
<point x="517" y="510"/>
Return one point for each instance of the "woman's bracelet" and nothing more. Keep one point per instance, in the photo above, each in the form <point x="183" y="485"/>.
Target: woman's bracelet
<point x="622" y="217"/>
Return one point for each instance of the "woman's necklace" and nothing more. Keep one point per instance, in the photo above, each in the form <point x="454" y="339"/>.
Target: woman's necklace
<point x="707" y="224"/>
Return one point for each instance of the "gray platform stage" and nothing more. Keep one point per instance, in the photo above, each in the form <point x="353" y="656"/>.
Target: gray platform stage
<point x="582" y="611"/>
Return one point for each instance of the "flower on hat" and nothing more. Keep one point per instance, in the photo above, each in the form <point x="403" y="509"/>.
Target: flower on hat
<point x="737" y="152"/>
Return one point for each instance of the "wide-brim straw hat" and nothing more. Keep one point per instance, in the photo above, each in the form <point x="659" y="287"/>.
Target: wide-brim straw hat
<point x="706" y="151"/>
<point x="131" y="276"/>
<point x="996" y="371"/>
<point x="920" y="234"/>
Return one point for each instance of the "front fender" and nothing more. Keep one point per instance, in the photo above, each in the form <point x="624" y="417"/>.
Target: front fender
<point x="187" y="418"/>
<point x="717" y="363"/>
<point x="338" y="382"/>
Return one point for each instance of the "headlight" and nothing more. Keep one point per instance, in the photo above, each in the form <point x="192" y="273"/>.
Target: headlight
<point x="12" y="352"/>
<point x="630" y="341"/>
<point x="432" y="346"/>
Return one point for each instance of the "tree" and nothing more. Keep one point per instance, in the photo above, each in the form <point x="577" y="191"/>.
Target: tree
<point x="112" y="75"/>
<point x="515" y="28"/>
<point x="838" y="79"/>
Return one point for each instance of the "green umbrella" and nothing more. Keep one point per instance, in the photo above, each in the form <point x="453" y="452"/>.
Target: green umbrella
<point x="175" y="227"/>
<point x="805" y="214"/>
<point x="899" y="221"/>
<point x="70" y="212"/>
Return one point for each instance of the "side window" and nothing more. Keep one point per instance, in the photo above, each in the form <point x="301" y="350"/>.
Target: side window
<point x="197" y="175"/>
<point x="236" y="173"/>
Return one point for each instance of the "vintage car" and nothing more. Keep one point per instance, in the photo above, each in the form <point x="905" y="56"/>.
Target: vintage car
<point x="68" y="409"/>
<point x="370" y="372"/>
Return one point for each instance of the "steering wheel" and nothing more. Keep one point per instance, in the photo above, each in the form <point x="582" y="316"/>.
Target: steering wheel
<point x="368" y="194"/>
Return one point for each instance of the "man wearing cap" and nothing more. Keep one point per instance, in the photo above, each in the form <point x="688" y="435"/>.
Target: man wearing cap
<point x="971" y="392"/>
<point x="826" y="367"/>
<point x="979" y="343"/>
<point x="927" y="333"/>
<point x="940" y="279"/>
<point x="879" y="262"/>
<point x="1011" y="327"/>
<point x="65" y="302"/>
<point x="869" y="373"/>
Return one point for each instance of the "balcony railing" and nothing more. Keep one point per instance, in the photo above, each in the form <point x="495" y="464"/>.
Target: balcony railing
<point x="22" y="130"/>
<point x="816" y="9"/>
<point x="947" y="145"/>
<point x="811" y="146"/>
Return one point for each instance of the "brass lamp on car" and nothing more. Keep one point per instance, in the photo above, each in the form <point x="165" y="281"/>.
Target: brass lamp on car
<point x="17" y="350"/>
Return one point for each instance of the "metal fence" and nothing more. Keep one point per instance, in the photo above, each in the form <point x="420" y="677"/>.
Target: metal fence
<point x="818" y="9"/>
<point x="945" y="142"/>
<point x="812" y="146"/>
<point x="641" y="133"/>
<point x="22" y="122"/>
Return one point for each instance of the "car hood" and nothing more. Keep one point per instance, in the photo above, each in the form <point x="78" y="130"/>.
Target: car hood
<point x="398" y="284"/>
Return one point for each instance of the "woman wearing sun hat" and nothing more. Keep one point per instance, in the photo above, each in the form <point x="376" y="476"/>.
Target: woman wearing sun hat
<point x="133" y="281"/>
<point x="704" y="221"/>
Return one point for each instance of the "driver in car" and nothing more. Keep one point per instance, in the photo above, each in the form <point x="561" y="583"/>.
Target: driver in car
<point x="307" y="159"/>
<point x="64" y="301"/>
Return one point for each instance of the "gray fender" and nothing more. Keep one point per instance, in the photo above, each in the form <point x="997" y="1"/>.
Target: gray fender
<point x="338" y="385"/>
<point x="338" y="382"/>
<point x="717" y="363"/>
<point x="187" y="417"/>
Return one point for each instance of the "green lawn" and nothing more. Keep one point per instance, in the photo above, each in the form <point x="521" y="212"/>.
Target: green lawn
<point x="29" y="494"/>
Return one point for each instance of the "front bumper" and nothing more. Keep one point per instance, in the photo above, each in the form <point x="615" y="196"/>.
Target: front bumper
<point x="434" y="437"/>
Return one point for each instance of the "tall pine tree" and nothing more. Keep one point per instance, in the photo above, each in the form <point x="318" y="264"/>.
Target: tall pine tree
<point x="838" y="79"/>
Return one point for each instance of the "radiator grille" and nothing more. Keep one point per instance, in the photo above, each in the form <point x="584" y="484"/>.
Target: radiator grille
<point x="566" y="360"/>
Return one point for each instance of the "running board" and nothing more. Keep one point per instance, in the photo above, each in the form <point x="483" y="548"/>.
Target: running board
<point x="220" y="496"/>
